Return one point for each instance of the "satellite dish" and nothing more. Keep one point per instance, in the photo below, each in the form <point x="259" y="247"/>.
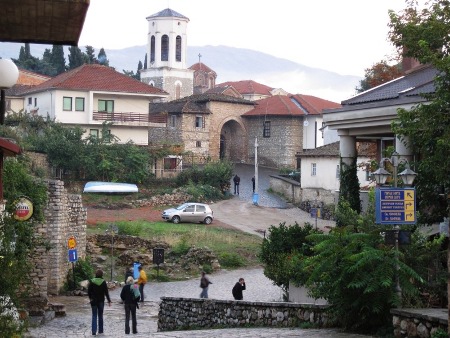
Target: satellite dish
<point x="306" y="123"/>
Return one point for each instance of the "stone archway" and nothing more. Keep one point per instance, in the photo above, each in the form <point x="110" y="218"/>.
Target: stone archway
<point x="233" y="142"/>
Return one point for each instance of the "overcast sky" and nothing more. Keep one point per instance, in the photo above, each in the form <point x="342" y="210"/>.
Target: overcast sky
<point x="345" y="37"/>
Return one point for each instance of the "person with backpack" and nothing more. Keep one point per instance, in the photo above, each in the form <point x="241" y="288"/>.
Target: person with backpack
<point x="97" y="291"/>
<point x="130" y="296"/>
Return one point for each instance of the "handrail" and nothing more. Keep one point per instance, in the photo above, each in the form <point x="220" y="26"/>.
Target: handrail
<point x="128" y="117"/>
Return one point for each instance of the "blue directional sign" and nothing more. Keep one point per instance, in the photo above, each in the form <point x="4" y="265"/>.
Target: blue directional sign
<point x="395" y="206"/>
<point x="73" y="255"/>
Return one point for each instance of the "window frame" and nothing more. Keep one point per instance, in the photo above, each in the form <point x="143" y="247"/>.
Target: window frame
<point x="106" y="106"/>
<point x="77" y="100"/>
<point x="178" y="46"/>
<point x="266" y="129"/>
<point x="65" y="100"/>
<point x="198" y="144"/>
<point x="165" y="47"/>
<point x="94" y="132"/>
<point x="199" y="122"/>
<point x="313" y="169"/>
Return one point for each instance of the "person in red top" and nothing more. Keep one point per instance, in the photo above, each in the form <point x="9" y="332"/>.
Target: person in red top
<point x="97" y="291"/>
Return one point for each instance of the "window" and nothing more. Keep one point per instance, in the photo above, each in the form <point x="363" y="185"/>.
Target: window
<point x="106" y="106"/>
<point x="170" y="163"/>
<point x="190" y="208"/>
<point x="30" y="101"/>
<point x="313" y="169"/>
<point x="201" y="208"/>
<point x="172" y="121"/>
<point x="79" y="104"/>
<point x="199" y="122"/>
<point x="368" y="172"/>
<point x="35" y="101"/>
<point x="164" y="48"/>
<point x="177" y="91"/>
<point x="338" y="173"/>
<point x="94" y="132"/>
<point x="107" y="136"/>
<point x="67" y="103"/>
<point x="178" y="49"/>
<point x="266" y="129"/>
<point x="198" y="144"/>
<point x="152" y="49"/>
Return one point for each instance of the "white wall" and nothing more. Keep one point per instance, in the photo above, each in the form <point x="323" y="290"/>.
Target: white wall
<point x="326" y="169"/>
<point x="312" y="136"/>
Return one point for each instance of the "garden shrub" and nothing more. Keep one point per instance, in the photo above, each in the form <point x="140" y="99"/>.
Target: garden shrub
<point x="231" y="260"/>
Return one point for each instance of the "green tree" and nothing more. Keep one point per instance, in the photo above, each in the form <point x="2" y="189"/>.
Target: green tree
<point x="425" y="35"/>
<point x="18" y="240"/>
<point x="282" y="252"/>
<point x="26" y="60"/>
<point x="381" y="72"/>
<point x="145" y="61"/>
<point x="102" y="59"/>
<point x="89" y="55"/>
<point x="57" y="59"/>
<point x="75" y="57"/>
<point x="138" y="72"/>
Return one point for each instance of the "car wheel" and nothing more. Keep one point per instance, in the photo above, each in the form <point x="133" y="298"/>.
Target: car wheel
<point x="176" y="219"/>
<point x="207" y="220"/>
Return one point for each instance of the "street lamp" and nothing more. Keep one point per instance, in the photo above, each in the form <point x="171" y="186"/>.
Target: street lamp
<point x="9" y="73"/>
<point x="408" y="176"/>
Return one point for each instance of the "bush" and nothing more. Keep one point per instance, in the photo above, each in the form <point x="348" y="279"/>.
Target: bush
<point x="182" y="247"/>
<point x="230" y="260"/>
<point x="83" y="270"/>
<point x="130" y="228"/>
<point x="203" y="193"/>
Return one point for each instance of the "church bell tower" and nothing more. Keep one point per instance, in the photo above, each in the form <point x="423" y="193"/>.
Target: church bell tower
<point x="166" y="54"/>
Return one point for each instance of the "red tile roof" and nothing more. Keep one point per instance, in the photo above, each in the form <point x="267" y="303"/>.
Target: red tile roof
<point x="96" y="77"/>
<point x="199" y="66"/>
<point x="248" y="87"/>
<point x="291" y="105"/>
<point x="27" y="77"/>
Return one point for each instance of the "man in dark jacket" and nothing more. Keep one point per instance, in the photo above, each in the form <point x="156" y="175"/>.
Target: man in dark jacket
<point x="130" y="295"/>
<point x="97" y="291"/>
<point x="236" y="180"/>
<point x="238" y="288"/>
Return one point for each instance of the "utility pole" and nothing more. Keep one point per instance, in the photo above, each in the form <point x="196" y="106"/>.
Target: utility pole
<point x="255" y="195"/>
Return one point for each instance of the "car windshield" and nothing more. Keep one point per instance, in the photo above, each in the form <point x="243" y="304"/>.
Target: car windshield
<point x="181" y="207"/>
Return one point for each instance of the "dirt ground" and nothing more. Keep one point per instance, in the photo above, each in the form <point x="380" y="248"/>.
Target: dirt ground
<point x="146" y="213"/>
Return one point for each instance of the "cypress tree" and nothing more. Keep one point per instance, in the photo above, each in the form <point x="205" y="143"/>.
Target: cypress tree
<point x="75" y="57"/>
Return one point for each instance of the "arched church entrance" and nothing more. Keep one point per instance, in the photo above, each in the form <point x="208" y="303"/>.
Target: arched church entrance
<point x="233" y="142"/>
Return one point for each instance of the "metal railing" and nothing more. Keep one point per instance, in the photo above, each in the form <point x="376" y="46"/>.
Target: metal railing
<point x="129" y="117"/>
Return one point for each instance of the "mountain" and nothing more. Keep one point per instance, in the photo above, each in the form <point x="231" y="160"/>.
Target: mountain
<point x="232" y="64"/>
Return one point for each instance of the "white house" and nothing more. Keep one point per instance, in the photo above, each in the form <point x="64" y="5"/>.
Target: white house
<point x="320" y="170"/>
<point x="92" y="94"/>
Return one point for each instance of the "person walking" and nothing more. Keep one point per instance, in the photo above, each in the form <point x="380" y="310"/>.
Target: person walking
<point x="204" y="284"/>
<point x="236" y="180"/>
<point x="142" y="280"/>
<point x="238" y="288"/>
<point x="97" y="291"/>
<point x="130" y="296"/>
<point x="253" y="183"/>
<point x="128" y="273"/>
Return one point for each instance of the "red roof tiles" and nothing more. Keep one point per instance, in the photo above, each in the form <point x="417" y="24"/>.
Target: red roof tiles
<point x="248" y="87"/>
<point x="291" y="105"/>
<point x="96" y="77"/>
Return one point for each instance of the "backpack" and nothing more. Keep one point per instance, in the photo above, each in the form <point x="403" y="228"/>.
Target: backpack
<point x="135" y="290"/>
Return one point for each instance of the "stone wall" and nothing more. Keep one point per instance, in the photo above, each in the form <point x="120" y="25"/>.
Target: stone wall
<point x="278" y="150"/>
<point x="418" y="323"/>
<point x="190" y="313"/>
<point x="290" y="189"/>
<point x="65" y="217"/>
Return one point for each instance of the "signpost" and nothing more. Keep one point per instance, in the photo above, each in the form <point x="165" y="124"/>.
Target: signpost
<point x="395" y="206"/>
<point x="73" y="254"/>
<point x="315" y="213"/>
<point x="158" y="258"/>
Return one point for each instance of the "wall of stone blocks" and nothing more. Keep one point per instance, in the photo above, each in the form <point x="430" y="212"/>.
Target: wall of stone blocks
<point x="290" y="189"/>
<point x="190" y="313"/>
<point x="278" y="150"/>
<point x="65" y="217"/>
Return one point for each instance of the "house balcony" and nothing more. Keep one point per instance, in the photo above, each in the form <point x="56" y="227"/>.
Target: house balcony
<point x="130" y="118"/>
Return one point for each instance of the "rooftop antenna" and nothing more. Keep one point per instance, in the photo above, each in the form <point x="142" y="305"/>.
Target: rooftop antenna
<point x="199" y="60"/>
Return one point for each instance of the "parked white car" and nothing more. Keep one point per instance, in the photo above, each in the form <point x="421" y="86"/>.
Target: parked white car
<point x="189" y="212"/>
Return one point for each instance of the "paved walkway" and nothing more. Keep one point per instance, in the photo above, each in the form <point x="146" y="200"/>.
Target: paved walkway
<point x="259" y="288"/>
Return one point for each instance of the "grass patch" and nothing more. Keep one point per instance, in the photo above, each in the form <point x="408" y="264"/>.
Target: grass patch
<point x="234" y="248"/>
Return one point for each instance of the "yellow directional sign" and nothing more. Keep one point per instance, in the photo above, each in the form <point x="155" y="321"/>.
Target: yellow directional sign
<point x="395" y="206"/>
<point x="71" y="242"/>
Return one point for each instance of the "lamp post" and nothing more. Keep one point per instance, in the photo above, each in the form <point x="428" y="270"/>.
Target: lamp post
<point x="9" y="73"/>
<point x="408" y="176"/>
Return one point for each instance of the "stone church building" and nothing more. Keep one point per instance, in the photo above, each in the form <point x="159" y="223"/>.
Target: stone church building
<point x="202" y="121"/>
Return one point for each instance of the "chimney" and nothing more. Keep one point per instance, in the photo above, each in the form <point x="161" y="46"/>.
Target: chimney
<point x="409" y="64"/>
